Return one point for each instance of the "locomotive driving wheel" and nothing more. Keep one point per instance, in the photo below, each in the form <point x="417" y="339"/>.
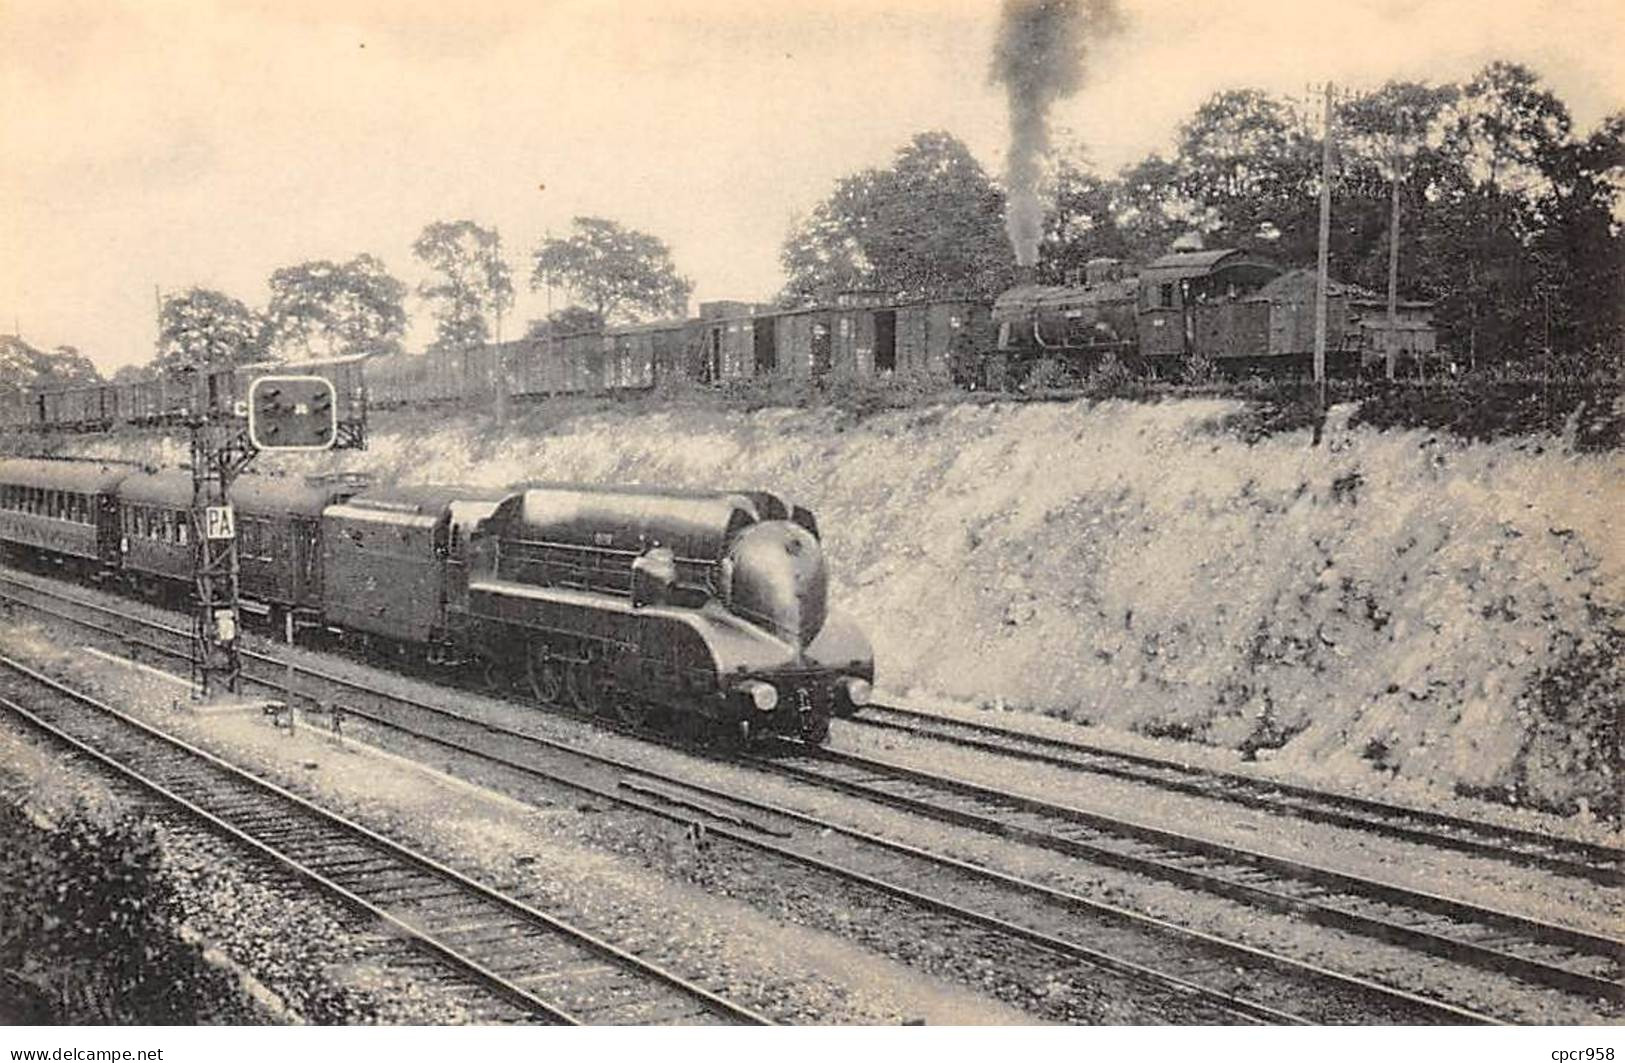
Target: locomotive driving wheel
<point x="581" y="688"/>
<point x="545" y="673"/>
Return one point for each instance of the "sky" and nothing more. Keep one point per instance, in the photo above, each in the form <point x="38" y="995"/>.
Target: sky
<point x="165" y="144"/>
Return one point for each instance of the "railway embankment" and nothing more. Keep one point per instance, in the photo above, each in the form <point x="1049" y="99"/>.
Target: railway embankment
<point x="1398" y="609"/>
<point x="96" y="928"/>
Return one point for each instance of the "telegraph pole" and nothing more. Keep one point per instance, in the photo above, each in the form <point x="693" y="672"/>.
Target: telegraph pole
<point x="1323" y="255"/>
<point x="1393" y="274"/>
<point x="501" y="353"/>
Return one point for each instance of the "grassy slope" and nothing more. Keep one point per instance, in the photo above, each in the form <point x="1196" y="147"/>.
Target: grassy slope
<point x="1393" y="602"/>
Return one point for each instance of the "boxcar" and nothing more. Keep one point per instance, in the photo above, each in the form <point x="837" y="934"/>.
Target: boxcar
<point x="226" y="388"/>
<point x="13" y="409"/>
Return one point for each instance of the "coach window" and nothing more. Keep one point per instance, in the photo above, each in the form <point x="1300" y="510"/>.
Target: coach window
<point x="183" y="529"/>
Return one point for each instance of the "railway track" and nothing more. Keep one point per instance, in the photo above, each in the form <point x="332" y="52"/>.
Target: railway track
<point x="533" y="965"/>
<point x="1221" y="980"/>
<point x="1225" y="977"/>
<point x="1564" y="856"/>
<point x="1540" y="953"/>
<point x="1340" y="997"/>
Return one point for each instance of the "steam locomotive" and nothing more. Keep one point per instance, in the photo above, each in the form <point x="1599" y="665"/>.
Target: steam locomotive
<point x="705" y="611"/>
<point x="1237" y="311"/>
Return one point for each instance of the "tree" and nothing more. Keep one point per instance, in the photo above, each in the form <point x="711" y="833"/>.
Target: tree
<point x="1252" y="171"/>
<point x="204" y="329"/>
<point x="931" y="224"/>
<point x="1152" y="209"/>
<point x="1082" y="222"/>
<point x="473" y="280"/>
<point x="565" y="322"/>
<point x="1584" y="242"/>
<point x="24" y="366"/>
<point x="331" y="309"/>
<point x="620" y="274"/>
<point x="64" y="366"/>
<point x="1507" y="129"/>
<point x="1503" y="150"/>
<point x="1396" y="131"/>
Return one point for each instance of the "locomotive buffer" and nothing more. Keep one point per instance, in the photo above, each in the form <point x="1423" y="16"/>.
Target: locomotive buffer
<point x="283" y="413"/>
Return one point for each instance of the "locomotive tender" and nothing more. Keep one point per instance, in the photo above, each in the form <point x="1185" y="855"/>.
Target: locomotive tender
<point x="708" y="611"/>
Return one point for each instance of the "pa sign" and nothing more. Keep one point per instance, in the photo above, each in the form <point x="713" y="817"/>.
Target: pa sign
<point x="219" y="522"/>
<point x="292" y="413"/>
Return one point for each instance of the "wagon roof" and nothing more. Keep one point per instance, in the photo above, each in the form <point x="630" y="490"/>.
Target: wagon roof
<point x="1304" y="279"/>
<point x="83" y="477"/>
<point x="1182" y="264"/>
<point x="267" y="495"/>
<point x="304" y="365"/>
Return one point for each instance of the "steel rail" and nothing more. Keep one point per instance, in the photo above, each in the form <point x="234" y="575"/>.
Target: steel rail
<point x="1567" y="856"/>
<point x="1315" y="892"/>
<point x="1411" y="1005"/>
<point x="272" y="834"/>
<point x="1454" y="1014"/>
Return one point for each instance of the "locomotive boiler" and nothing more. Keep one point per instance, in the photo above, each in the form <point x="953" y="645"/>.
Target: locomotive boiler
<point x="710" y="608"/>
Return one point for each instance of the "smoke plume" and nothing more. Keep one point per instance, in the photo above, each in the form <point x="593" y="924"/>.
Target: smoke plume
<point x="1039" y="58"/>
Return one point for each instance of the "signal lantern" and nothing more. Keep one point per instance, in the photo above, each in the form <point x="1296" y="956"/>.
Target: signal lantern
<point x="292" y="413"/>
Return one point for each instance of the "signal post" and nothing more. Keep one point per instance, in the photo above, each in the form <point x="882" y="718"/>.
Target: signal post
<point x="286" y="413"/>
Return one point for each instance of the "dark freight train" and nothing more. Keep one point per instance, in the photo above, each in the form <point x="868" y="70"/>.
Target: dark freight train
<point x="706" y="611"/>
<point x="1229" y="309"/>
